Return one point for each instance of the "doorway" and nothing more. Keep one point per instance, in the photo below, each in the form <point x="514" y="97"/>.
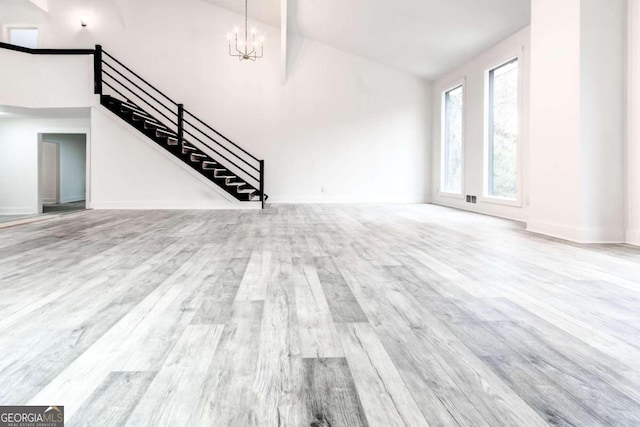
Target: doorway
<point x="63" y="173"/>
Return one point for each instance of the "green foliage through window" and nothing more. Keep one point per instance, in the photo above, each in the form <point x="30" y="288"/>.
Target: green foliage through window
<point x="503" y="132"/>
<point x="452" y="142"/>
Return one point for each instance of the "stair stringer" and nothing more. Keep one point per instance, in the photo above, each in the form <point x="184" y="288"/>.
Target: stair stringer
<point x="130" y="171"/>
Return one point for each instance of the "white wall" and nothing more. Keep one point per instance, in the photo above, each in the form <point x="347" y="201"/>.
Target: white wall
<point x="354" y="128"/>
<point x="602" y="119"/>
<point x="555" y="117"/>
<point x="45" y="81"/>
<point x="50" y="173"/>
<point x="19" y="170"/>
<point x="73" y="160"/>
<point x="14" y="12"/>
<point x="472" y="75"/>
<point x="577" y="120"/>
<point x="633" y="121"/>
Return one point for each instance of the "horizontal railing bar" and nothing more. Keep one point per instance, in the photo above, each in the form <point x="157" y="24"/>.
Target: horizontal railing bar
<point x="129" y="80"/>
<point x="221" y="135"/>
<point x="138" y="76"/>
<point x="116" y="90"/>
<point x="139" y="97"/>
<point x="225" y="148"/>
<point x="31" y="51"/>
<point x="221" y="155"/>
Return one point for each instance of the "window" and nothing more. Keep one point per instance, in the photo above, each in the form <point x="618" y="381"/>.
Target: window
<point x="452" y="157"/>
<point x="23" y="36"/>
<point x="502" y="143"/>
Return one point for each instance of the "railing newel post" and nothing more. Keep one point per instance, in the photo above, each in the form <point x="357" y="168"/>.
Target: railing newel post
<point x="97" y="70"/>
<point x="262" y="183"/>
<point x="102" y="76"/>
<point x="180" y="124"/>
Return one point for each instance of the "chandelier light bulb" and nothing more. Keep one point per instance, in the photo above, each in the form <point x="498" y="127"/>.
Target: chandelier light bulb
<point x="245" y="46"/>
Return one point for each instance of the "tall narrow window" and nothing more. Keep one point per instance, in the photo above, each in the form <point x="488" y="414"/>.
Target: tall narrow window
<point x="502" y="149"/>
<point x="451" y="181"/>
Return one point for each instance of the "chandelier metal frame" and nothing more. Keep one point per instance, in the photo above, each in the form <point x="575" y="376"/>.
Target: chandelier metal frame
<point x="257" y="43"/>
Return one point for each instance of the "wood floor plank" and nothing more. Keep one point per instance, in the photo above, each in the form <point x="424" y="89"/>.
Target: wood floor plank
<point x="383" y="393"/>
<point x="561" y="347"/>
<point x="331" y="396"/>
<point x="556" y="406"/>
<point x="64" y="341"/>
<point x="112" y="403"/>
<point x="317" y="315"/>
<point x="227" y="396"/>
<point x="179" y="382"/>
<point x="219" y="292"/>
<point x="318" y="334"/>
<point x="138" y="341"/>
<point x="485" y="389"/>
<point x="277" y="386"/>
<point x="595" y="337"/>
<point x="254" y="282"/>
<point x="442" y="403"/>
<point x="342" y="303"/>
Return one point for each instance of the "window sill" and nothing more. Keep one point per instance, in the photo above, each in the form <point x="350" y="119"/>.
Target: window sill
<point x="451" y="195"/>
<point x="517" y="203"/>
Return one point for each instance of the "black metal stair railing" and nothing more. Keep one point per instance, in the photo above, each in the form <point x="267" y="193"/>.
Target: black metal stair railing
<point x="31" y="51"/>
<point x="112" y="74"/>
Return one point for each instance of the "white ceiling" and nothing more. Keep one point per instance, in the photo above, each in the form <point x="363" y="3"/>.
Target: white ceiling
<point x="267" y="11"/>
<point x="426" y="38"/>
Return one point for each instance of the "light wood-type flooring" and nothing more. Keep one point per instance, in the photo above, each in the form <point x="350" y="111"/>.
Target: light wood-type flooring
<point x="317" y="315"/>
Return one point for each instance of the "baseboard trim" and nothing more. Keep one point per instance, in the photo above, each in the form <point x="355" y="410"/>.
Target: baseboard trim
<point x="518" y="218"/>
<point x="345" y="201"/>
<point x="30" y="220"/>
<point x="138" y="205"/>
<point x="633" y="237"/>
<point x="577" y="235"/>
<point x="79" y="198"/>
<point x="17" y="211"/>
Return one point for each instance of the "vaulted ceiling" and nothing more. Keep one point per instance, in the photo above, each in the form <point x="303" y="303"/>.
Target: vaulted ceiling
<point x="423" y="37"/>
<point x="267" y="11"/>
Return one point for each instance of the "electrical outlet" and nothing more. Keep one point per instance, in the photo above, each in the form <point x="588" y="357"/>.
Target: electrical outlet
<point x="468" y="199"/>
<point x="473" y="199"/>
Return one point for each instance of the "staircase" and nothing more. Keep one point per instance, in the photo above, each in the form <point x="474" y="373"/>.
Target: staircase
<point x="170" y="125"/>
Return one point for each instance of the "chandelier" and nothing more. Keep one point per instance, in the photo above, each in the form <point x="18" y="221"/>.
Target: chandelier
<point x="249" y="47"/>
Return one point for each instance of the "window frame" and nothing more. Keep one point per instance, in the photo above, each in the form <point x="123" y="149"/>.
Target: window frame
<point x="459" y="83"/>
<point x="6" y="31"/>
<point x="486" y="196"/>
